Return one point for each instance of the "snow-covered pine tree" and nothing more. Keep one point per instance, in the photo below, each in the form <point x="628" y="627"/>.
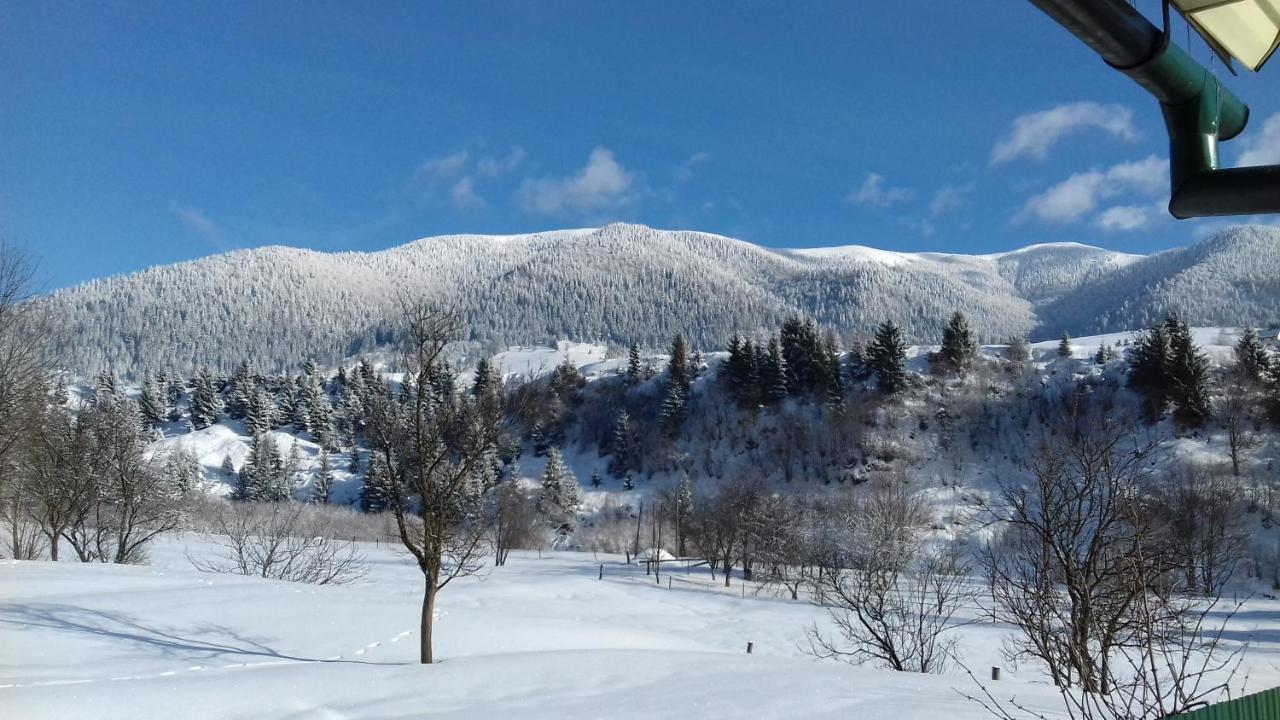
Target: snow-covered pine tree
<point x="678" y="367"/>
<point x="323" y="484"/>
<point x="261" y="413"/>
<point x="1253" y="364"/>
<point x="634" y="370"/>
<point x="558" y="496"/>
<point x="1189" y="372"/>
<point x="774" y="373"/>
<point x="374" y="493"/>
<point x="1064" y="345"/>
<point x="672" y="412"/>
<point x="1017" y="350"/>
<point x="620" y="446"/>
<point x="206" y="401"/>
<point x="1149" y="361"/>
<point x="240" y="390"/>
<point x="485" y="380"/>
<point x="151" y="402"/>
<point x="959" y="346"/>
<point x="887" y="358"/>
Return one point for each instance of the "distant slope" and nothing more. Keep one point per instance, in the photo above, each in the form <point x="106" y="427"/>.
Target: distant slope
<point x="621" y="283"/>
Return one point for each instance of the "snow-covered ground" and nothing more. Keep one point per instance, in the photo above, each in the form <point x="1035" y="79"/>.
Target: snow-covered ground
<point x="541" y="637"/>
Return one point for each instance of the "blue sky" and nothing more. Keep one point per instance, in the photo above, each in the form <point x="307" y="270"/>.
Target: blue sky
<point x="140" y="133"/>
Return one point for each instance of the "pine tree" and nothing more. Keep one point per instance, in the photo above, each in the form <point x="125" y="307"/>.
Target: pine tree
<point x="173" y="396"/>
<point x="374" y="491"/>
<point x="959" y="346"/>
<point x="241" y="389"/>
<point x="1064" y="345"/>
<point x="595" y="480"/>
<point x="558" y="497"/>
<point x="887" y="358"/>
<point x="206" y="403"/>
<point x="485" y="380"/>
<point x="738" y="372"/>
<point x="1253" y="364"/>
<point x="1189" y="373"/>
<point x="323" y="485"/>
<point x="678" y="367"/>
<point x="634" y="370"/>
<point x="105" y="391"/>
<point x="1103" y="355"/>
<point x="774" y="373"/>
<point x="857" y="364"/>
<point x="151" y="402"/>
<point x="1018" y="350"/>
<point x="1149" y="362"/>
<point x="620" y="446"/>
<point x="228" y="466"/>
<point x="261" y="413"/>
<point x="673" y="408"/>
<point x="802" y="351"/>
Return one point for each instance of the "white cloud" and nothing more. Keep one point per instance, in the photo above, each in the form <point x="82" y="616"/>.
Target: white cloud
<point x="1124" y="217"/>
<point x="684" y="172"/>
<point x="1263" y="146"/>
<point x="1077" y="196"/>
<point x="496" y="167"/>
<point x="443" y="168"/>
<point x="949" y="199"/>
<point x="602" y="184"/>
<point x="463" y="195"/>
<point x="196" y="221"/>
<point x="1034" y="134"/>
<point x="874" y="193"/>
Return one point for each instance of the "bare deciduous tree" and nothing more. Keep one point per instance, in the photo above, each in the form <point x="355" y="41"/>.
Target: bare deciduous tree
<point x="435" y="444"/>
<point x="892" y="601"/>
<point x="1090" y="575"/>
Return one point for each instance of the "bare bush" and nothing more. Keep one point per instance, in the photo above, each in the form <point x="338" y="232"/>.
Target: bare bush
<point x="280" y="541"/>
<point x="513" y="517"/>
<point x="892" y="601"/>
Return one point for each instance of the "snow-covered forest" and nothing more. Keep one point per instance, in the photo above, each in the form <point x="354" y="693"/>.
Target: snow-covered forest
<point x="279" y="308"/>
<point x="1100" y="501"/>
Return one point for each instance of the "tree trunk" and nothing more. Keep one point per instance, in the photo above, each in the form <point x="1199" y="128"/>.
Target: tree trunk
<point x="428" y="616"/>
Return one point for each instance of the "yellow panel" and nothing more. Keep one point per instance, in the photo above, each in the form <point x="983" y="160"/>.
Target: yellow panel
<point x="1248" y="30"/>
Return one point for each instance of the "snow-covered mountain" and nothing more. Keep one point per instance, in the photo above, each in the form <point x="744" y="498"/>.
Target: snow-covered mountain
<point x="621" y="283"/>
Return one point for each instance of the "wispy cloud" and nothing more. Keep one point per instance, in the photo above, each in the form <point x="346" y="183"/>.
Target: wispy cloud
<point x="949" y="198"/>
<point x="461" y="173"/>
<point x="1033" y="135"/>
<point x="443" y="168"/>
<point x="875" y="192"/>
<point x="463" y="194"/>
<point x="196" y="221"/>
<point x="602" y="184"/>
<point x="1079" y="195"/>
<point x="684" y="171"/>
<point x="1262" y="147"/>
<point x="492" y="167"/>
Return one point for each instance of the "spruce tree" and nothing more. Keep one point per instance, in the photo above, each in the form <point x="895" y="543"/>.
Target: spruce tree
<point x="1149" y="362"/>
<point x="151" y="402"/>
<point x="678" y="367"/>
<point x="672" y="412"/>
<point x="206" y="403"/>
<point x="1189" y="374"/>
<point x="374" y="491"/>
<point x="485" y="380"/>
<point x="634" y="370"/>
<point x="323" y="485"/>
<point x="959" y="346"/>
<point x="1017" y="350"/>
<point x="774" y="374"/>
<point x="1064" y="345"/>
<point x="558" y="496"/>
<point x="620" y="446"/>
<point x="887" y="358"/>
<point x="1253" y="364"/>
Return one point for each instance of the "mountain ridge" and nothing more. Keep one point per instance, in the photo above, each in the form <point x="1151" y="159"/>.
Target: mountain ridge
<point x="281" y="306"/>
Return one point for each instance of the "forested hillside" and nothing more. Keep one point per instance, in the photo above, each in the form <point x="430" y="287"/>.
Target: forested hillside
<point x="280" y="307"/>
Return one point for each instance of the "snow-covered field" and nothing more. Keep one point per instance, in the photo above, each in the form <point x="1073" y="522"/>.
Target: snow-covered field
<point x="541" y="637"/>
